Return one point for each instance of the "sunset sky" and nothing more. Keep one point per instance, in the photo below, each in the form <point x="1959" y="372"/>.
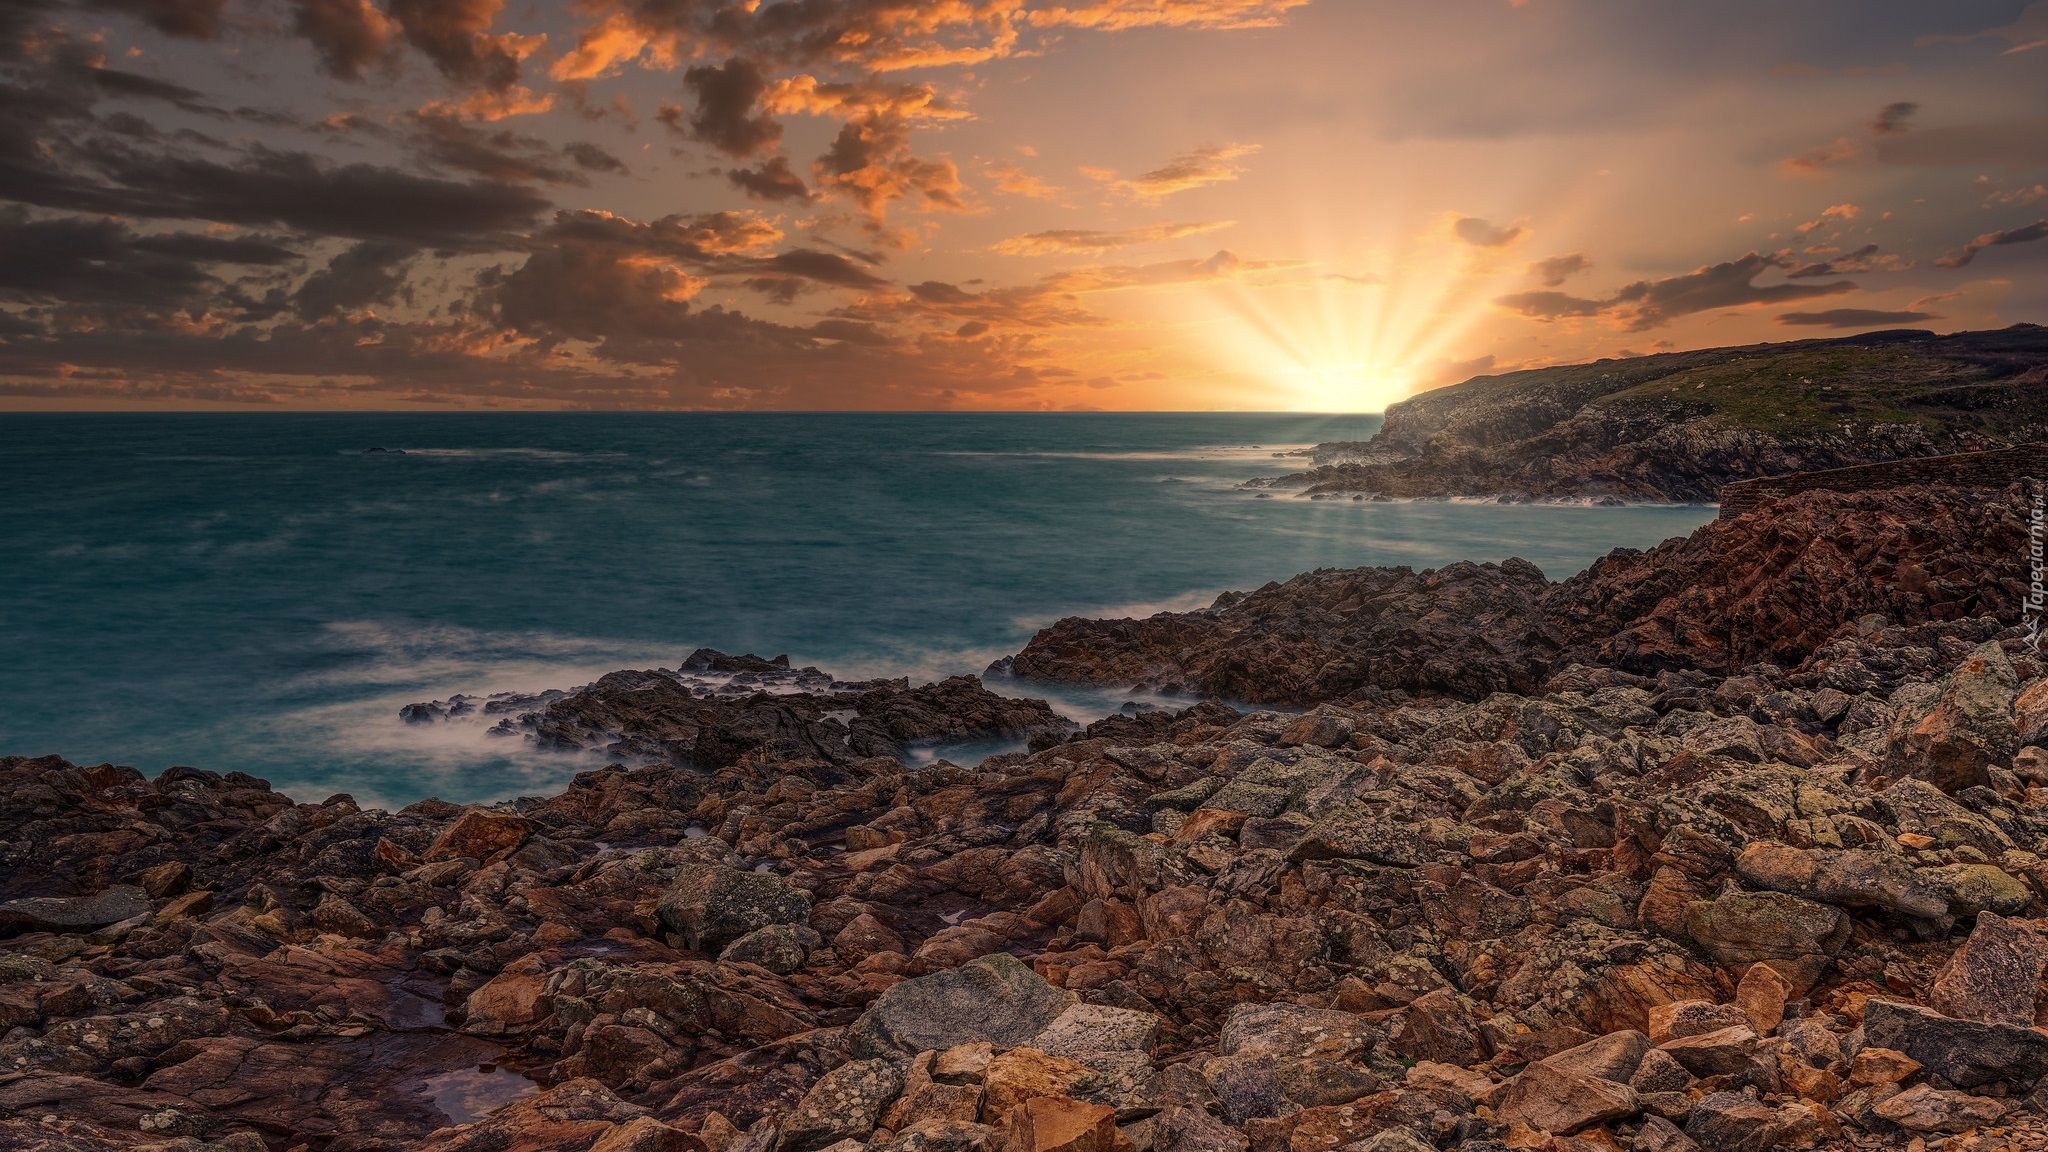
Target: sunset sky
<point x="1315" y="205"/>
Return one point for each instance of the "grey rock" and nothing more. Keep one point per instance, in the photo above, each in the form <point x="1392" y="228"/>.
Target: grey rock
<point x="844" y="1104"/>
<point x="1966" y="1053"/>
<point x="995" y="998"/>
<point x="63" y="914"/>
<point x="1292" y="1032"/>
<point x="780" y="948"/>
<point x="1730" y="1122"/>
<point x="711" y="905"/>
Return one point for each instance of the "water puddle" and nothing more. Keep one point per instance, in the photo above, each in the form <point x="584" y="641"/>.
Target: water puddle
<point x="467" y="1095"/>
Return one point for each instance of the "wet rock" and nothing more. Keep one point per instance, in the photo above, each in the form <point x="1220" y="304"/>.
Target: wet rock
<point x="995" y="998"/>
<point x="64" y="914"/>
<point x="711" y="905"/>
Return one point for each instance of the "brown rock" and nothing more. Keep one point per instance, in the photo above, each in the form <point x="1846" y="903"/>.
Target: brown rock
<point x="1560" y="1101"/>
<point x="1762" y="995"/>
<point x="1204" y="821"/>
<point x="1994" y="976"/>
<point x="1692" y="1018"/>
<point x="1874" y="1066"/>
<point x="1056" y="1124"/>
<point x="1718" y="1053"/>
<point x="479" y="834"/>
<point x="512" y="1001"/>
<point x="864" y="936"/>
<point x="1026" y="1074"/>
<point x="1925" y="1108"/>
<point x="963" y="1063"/>
<point x="646" y="1134"/>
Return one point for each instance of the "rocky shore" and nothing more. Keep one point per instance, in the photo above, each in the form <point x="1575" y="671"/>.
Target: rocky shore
<point x="1678" y="426"/>
<point x="1737" y="844"/>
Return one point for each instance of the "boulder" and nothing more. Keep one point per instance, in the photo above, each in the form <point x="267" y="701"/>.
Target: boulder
<point x="1026" y="1074"/>
<point x="1875" y="1066"/>
<point x="1950" y="737"/>
<point x="70" y="914"/>
<point x="1561" y="1101"/>
<point x="1292" y="1032"/>
<point x="1692" y="1018"/>
<point x="1925" y="1108"/>
<point x="1050" y="1124"/>
<point x="945" y="1136"/>
<point x="1614" y="1056"/>
<point x="1114" y="1040"/>
<point x="1797" y="937"/>
<point x="1659" y="1072"/>
<point x="1847" y="879"/>
<point x="1973" y="888"/>
<point x="1761" y="995"/>
<point x="1731" y="1122"/>
<point x="780" y="948"/>
<point x="1185" y="1129"/>
<point x="1994" y="976"/>
<point x="844" y="1104"/>
<point x="1660" y="1135"/>
<point x="711" y="905"/>
<point x="479" y="834"/>
<point x="995" y="998"/>
<point x="1966" y="1053"/>
<point x="1719" y="1053"/>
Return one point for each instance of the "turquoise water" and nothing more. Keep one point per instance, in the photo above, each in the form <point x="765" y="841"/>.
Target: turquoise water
<point x="258" y="592"/>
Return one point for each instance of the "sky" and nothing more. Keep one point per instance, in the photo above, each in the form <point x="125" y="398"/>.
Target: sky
<point x="1272" y="205"/>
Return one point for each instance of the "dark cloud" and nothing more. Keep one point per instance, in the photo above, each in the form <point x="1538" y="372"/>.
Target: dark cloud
<point x="2024" y="234"/>
<point x="454" y="34"/>
<point x="348" y="35"/>
<point x="193" y="19"/>
<point x="1553" y="271"/>
<point x="592" y="158"/>
<point x="1853" y="318"/>
<point x="871" y="164"/>
<point x="823" y="268"/>
<point x="445" y="141"/>
<point x="1484" y="234"/>
<point x="97" y="261"/>
<point x="363" y="275"/>
<point x="1891" y="120"/>
<point x="1648" y="304"/>
<point x="726" y="119"/>
<point x="771" y="180"/>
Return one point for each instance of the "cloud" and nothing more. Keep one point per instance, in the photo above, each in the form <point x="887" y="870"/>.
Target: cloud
<point x="1482" y="234"/>
<point x="192" y="19"/>
<point x="97" y="261"/>
<point x="770" y="180"/>
<point x="1815" y="161"/>
<point x="455" y="36"/>
<point x="1864" y="259"/>
<point x="1017" y="182"/>
<point x="2024" y="234"/>
<point x="1891" y="120"/>
<point x="1061" y="241"/>
<point x="1648" y="304"/>
<point x="1209" y="164"/>
<point x="348" y="35"/>
<point x="1123" y="14"/>
<point x="1852" y="318"/>
<point x="360" y="276"/>
<point x="725" y="116"/>
<point x="1555" y="270"/>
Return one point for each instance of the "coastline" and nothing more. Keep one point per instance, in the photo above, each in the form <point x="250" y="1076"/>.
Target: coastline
<point x="1725" y="863"/>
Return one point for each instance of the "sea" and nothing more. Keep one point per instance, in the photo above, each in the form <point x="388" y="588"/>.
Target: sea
<point x="264" y="592"/>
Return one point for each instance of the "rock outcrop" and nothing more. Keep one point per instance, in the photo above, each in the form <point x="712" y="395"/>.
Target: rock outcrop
<point x="1728" y="905"/>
